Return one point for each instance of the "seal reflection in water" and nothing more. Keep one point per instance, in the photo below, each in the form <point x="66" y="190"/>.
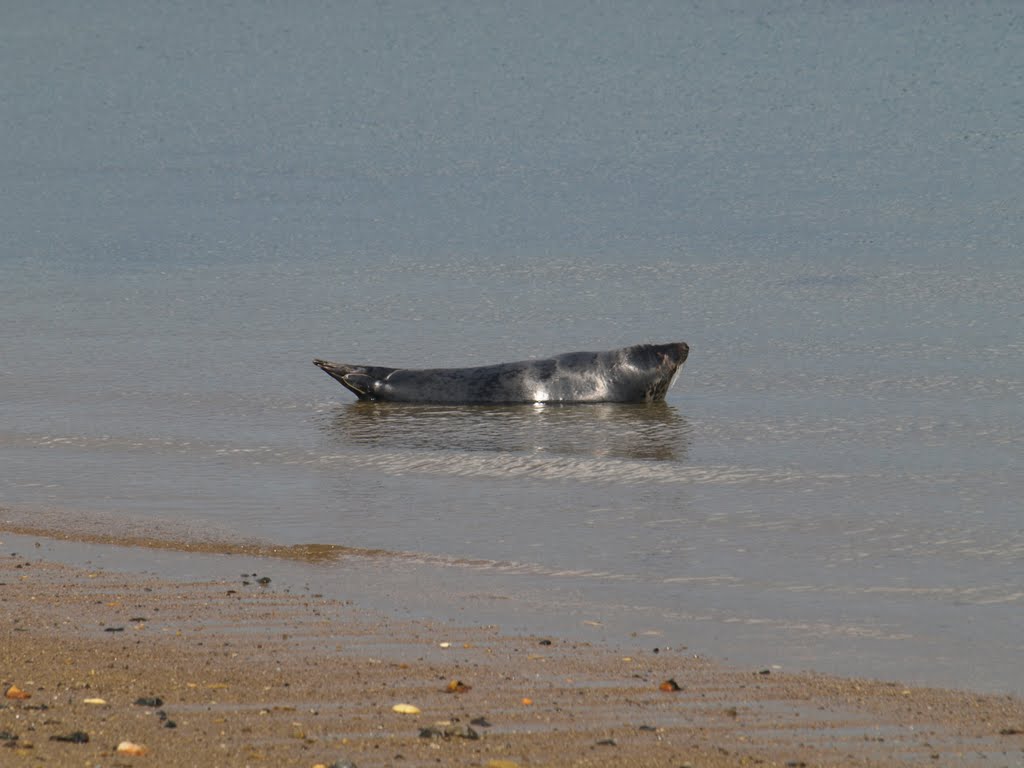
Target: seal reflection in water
<point x="642" y="373"/>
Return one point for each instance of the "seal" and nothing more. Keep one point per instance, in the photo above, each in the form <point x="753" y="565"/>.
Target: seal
<point x="637" y="374"/>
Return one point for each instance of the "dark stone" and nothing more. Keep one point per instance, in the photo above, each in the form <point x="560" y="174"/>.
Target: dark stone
<point x="75" y="737"/>
<point x="449" y="731"/>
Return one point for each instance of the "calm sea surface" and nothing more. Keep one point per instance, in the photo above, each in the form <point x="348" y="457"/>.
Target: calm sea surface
<point x="823" y="199"/>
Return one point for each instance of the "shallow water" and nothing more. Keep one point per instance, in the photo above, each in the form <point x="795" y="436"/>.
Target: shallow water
<point x="822" y="201"/>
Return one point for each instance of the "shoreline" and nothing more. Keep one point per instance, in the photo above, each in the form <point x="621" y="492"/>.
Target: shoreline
<point x="530" y="598"/>
<point x="253" y="675"/>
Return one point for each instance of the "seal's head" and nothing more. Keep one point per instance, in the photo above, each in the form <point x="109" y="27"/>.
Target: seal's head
<point x="662" y="362"/>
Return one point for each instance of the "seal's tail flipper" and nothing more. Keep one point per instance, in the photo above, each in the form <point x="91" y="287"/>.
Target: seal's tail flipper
<point x="363" y="386"/>
<point x="360" y="380"/>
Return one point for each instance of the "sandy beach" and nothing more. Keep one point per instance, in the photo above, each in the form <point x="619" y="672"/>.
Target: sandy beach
<point x="233" y="673"/>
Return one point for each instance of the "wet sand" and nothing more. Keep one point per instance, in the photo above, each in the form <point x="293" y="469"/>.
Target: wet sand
<point x="241" y="673"/>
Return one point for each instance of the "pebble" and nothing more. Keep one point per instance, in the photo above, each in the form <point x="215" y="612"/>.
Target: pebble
<point x="131" y="748"/>
<point x="14" y="692"/>
<point x="168" y="723"/>
<point x="406" y="709"/>
<point x="75" y="737"/>
<point x="448" y="732"/>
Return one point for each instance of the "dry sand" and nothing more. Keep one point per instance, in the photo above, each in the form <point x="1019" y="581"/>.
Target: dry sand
<point x="249" y="675"/>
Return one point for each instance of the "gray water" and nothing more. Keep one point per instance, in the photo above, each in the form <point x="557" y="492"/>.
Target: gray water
<point x="823" y="199"/>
